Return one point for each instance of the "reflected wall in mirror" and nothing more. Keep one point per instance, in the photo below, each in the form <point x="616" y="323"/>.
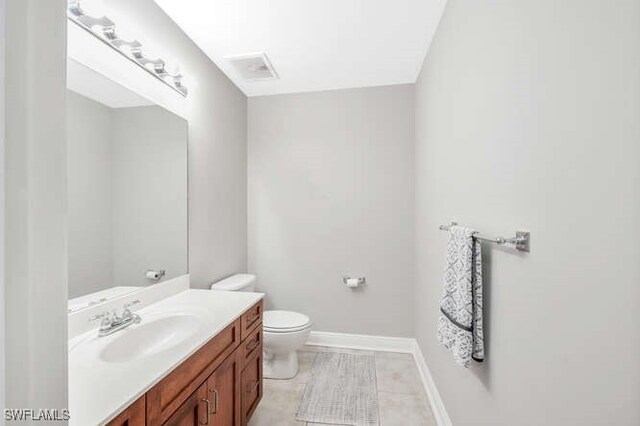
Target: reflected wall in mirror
<point x="127" y="189"/>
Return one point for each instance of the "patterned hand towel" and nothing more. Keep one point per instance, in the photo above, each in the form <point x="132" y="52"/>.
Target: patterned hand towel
<point x="460" y="321"/>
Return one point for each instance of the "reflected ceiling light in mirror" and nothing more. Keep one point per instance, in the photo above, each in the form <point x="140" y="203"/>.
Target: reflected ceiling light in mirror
<point x="105" y="30"/>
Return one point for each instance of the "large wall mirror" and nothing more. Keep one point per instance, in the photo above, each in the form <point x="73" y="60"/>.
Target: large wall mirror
<point x="127" y="190"/>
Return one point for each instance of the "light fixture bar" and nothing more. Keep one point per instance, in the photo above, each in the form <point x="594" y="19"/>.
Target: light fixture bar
<point x="104" y="30"/>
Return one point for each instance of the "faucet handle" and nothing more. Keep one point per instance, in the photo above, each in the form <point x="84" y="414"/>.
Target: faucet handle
<point x="126" y="312"/>
<point x="106" y="320"/>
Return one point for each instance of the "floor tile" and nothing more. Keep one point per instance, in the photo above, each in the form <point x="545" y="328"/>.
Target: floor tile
<point x="398" y="373"/>
<point x="279" y="404"/>
<point x="402" y="410"/>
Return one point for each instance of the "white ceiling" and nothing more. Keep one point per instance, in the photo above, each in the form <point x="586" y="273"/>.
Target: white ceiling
<point x="87" y="82"/>
<point x="313" y="44"/>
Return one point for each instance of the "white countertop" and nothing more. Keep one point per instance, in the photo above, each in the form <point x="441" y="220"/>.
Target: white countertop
<point x="99" y="390"/>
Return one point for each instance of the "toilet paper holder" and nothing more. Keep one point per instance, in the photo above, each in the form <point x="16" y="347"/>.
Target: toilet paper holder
<point x="155" y="274"/>
<point x="353" y="282"/>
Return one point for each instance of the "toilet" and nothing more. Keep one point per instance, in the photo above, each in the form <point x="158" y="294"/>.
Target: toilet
<point x="284" y="332"/>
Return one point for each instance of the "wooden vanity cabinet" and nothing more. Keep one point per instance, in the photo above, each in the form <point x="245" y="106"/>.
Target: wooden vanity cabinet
<point x="134" y="415"/>
<point x="219" y="385"/>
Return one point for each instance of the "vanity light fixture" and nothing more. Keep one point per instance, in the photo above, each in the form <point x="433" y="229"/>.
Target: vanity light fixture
<point x="105" y="30"/>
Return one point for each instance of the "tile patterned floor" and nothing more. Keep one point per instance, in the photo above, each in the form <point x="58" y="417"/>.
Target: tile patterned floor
<point x="401" y="398"/>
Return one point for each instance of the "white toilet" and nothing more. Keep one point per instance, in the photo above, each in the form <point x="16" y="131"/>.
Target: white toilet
<point x="284" y="332"/>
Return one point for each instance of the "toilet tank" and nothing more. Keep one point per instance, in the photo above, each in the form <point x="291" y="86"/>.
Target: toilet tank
<point x="237" y="282"/>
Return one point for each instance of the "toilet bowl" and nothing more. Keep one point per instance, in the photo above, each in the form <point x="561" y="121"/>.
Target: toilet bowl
<point x="284" y="332"/>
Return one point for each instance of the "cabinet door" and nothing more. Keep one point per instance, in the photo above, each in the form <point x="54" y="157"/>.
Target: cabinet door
<point x="223" y="387"/>
<point x="194" y="411"/>
<point x="251" y="386"/>
<point x="134" y="415"/>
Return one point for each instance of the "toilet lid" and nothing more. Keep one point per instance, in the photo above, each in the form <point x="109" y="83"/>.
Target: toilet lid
<point x="284" y="320"/>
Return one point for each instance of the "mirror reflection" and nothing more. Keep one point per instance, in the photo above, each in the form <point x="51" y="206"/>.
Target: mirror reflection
<point x="127" y="190"/>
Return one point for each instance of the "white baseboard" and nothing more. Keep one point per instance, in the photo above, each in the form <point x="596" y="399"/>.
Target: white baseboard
<point x="439" y="411"/>
<point x="362" y="341"/>
<point x="388" y="344"/>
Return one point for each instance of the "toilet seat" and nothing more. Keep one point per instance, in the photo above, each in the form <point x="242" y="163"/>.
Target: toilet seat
<point x="284" y="322"/>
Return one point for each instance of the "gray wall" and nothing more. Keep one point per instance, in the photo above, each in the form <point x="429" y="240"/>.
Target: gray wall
<point x="149" y="194"/>
<point x="90" y="195"/>
<point x="217" y="149"/>
<point x="35" y="221"/>
<point x="331" y="194"/>
<point x="527" y="117"/>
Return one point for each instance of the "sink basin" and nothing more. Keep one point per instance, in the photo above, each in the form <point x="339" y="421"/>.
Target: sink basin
<point x="151" y="337"/>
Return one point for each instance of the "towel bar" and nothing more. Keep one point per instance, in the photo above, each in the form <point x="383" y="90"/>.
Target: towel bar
<point x="519" y="242"/>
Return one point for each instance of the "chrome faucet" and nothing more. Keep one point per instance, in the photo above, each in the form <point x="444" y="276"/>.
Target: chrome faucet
<point x="112" y="322"/>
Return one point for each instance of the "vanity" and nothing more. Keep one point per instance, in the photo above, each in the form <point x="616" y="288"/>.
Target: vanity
<point x="195" y="358"/>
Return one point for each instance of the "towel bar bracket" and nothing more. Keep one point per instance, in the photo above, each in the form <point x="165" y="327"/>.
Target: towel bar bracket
<point x="522" y="241"/>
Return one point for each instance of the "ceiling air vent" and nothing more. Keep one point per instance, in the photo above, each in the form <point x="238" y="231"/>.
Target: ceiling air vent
<point x="253" y="67"/>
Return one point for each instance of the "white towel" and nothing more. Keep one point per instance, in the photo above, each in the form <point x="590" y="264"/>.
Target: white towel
<point x="460" y="321"/>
